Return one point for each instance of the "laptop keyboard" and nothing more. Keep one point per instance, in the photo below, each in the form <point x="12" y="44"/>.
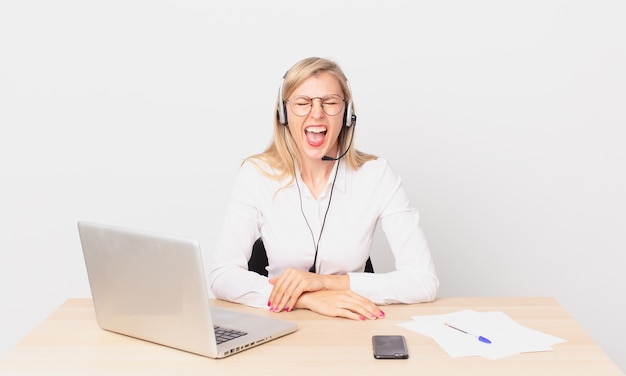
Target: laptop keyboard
<point x="222" y="334"/>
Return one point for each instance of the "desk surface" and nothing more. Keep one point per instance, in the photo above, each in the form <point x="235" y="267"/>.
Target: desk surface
<point x="69" y="342"/>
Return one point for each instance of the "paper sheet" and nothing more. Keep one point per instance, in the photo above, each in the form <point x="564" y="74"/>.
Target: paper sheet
<point x="507" y="336"/>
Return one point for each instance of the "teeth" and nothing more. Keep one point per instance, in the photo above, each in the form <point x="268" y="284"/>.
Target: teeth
<point x="316" y="130"/>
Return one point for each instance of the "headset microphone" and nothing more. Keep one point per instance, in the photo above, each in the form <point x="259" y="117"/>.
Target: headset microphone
<point x="353" y="124"/>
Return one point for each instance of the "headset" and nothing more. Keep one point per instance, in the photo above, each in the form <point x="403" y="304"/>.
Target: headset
<point x="282" y="109"/>
<point x="349" y="120"/>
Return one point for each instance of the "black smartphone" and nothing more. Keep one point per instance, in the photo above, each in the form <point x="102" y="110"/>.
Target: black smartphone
<point x="390" y="347"/>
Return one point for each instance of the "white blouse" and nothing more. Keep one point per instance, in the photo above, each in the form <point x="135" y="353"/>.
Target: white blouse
<point x="259" y="207"/>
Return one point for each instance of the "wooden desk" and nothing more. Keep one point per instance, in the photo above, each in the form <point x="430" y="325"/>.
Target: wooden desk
<point x="69" y="342"/>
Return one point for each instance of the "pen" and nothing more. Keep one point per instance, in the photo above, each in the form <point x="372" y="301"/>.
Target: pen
<point x="480" y="338"/>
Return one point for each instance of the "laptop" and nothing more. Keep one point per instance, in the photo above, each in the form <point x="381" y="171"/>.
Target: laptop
<point x="152" y="287"/>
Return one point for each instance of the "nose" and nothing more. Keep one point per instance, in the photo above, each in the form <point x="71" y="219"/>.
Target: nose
<point x="317" y="111"/>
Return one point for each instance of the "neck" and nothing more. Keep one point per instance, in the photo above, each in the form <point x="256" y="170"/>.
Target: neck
<point x="315" y="175"/>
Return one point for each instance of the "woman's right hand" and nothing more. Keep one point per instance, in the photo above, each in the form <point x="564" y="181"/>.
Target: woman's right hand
<point x="289" y="286"/>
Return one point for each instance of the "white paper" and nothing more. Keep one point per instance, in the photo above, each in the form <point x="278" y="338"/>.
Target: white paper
<point x="507" y="336"/>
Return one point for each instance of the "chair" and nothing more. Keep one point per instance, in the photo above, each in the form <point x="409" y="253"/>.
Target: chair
<point x="258" y="260"/>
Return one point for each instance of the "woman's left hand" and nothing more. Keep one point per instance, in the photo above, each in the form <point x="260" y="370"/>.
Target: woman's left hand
<point x="289" y="286"/>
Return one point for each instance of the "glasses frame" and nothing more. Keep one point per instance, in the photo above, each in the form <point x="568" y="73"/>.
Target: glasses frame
<point x="290" y="102"/>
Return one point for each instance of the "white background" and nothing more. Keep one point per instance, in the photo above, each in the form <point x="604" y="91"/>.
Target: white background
<point x="505" y="119"/>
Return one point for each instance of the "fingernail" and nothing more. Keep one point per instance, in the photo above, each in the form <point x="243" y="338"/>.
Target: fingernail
<point x="287" y="309"/>
<point x="381" y="314"/>
<point x="269" y="304"/>
<point x="362" y="318"/>
<point x="373" y="317"/>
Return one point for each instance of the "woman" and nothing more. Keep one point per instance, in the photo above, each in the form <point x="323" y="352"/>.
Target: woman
<point x="315" y="200"/>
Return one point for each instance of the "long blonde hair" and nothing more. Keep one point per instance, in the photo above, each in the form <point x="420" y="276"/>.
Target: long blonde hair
<point x="282" y="153"/>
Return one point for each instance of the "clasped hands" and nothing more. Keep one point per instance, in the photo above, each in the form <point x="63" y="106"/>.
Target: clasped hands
<point x="325" y="294"/>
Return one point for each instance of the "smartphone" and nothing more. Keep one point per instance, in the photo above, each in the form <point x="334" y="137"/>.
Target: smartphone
<point x="389" y="347"/>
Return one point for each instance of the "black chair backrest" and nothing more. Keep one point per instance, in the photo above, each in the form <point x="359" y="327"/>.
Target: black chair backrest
<point x="258" y="260"/>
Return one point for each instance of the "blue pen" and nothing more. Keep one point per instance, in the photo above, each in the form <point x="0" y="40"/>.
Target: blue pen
<point x="480" y="338"/>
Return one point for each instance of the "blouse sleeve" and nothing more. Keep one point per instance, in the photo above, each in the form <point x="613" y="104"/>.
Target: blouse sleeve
<point x="414" y="279"/>
<point x="229" y="278"/>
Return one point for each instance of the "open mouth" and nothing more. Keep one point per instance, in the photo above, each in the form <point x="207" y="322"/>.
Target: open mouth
<point x="315" y="136"/>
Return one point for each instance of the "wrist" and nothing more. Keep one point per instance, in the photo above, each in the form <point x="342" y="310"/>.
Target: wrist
<point x="302" y="302"/>
<point x="336" y="282"/>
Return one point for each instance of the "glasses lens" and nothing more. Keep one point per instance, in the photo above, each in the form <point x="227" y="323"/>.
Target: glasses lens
<point x="331" y="105"/>
<point x="301" y="106"/>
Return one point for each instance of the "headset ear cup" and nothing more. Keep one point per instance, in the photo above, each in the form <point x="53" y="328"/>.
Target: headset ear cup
<point x="281" y="111"/>
<point x="347" y="117"/>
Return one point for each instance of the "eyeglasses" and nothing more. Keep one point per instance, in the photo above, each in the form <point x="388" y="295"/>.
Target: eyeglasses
<point x="331" y="105"/>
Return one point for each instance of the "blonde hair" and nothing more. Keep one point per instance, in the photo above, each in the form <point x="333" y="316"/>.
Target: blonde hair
<point x="282" y="153"/>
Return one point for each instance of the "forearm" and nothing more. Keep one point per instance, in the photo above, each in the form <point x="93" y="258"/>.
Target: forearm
<point x="240" y="286"/>
<point x="396" y="286"/>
